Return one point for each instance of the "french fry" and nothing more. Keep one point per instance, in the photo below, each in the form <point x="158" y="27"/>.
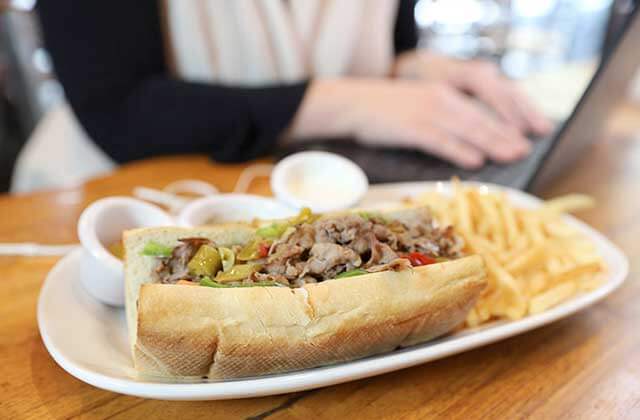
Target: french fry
<point x="521" y="243"/>
<point x="559" y="229"/>
<point x="574" y="272"/>
<point x="496" y="231"/>
<point x="472" y="319"/>
<point x="551" y="297"/>
<point x="463" y="210"/>
<point x="484" y="313"/>
<point x="566" y="204"/>
<point x="590" y="282"/>
<point x="480" y="221"/>
<point x="554" y="266"/>
<point x="535" y="260"/>
<point x="532" y="227"/>
<point x="516" y="307"/>
<point x="483" y="227"/>
<point x="538" y="283"/>
<point x="508" y="215"/>
<point x="528" y="259"/>
<point x="485" y="244"/>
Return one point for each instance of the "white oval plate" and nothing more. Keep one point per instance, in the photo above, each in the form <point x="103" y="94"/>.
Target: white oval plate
<point x="89" y="340"/>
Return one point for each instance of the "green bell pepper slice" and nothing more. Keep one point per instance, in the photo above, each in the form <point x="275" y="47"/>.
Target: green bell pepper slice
<point x="273" y="231"/>
<point x="206" y="281"/>
<point x="276" y="230"/>
<point x="352" y="273"/>
<point x="154" y="249"/>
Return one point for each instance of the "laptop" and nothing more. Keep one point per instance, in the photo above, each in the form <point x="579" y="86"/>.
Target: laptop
<point x="549" y="157"/>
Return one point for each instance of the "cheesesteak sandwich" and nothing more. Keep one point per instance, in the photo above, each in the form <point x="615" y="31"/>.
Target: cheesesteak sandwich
<point x="244" y="300"/>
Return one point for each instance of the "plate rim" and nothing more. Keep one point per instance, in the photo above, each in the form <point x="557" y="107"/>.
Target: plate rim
<point x="343" y="372"/>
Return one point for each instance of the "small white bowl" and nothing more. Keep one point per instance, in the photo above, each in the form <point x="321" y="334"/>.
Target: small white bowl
<point x="321" y="181"/>
<point x="100" y="225"/>
<point x="232" y="208"/>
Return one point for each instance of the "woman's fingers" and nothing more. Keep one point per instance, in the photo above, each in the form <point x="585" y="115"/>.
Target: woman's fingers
<point x="500" y="99"/>
<point x="434" y="117"/>
<point x="536" y="121"/>
<point x="471" y="123"/>
<point x="484" y="80"/>
<point x="431" y="139"/>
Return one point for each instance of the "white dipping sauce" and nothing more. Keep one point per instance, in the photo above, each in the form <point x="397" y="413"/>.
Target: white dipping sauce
<point x="319" y="180"/>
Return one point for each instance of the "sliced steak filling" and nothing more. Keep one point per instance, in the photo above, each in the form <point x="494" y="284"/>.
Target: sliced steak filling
<point x="327" y="247"/>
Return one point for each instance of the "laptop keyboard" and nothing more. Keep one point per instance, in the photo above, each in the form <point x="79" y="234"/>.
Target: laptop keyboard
<point x="397" y="165"/>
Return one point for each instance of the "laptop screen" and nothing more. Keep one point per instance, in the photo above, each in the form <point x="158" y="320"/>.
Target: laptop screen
<point x="607" y="87"/>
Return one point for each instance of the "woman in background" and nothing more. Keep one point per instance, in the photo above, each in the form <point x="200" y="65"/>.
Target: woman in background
<point x="232" y="79"/>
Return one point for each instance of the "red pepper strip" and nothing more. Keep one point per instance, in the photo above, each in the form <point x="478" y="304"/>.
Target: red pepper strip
<point x="417" y="259"/>
<point x="263" y="249"/>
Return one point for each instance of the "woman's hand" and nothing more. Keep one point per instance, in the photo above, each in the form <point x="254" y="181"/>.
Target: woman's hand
<point x="431" y="116"/>
<point x="481" y="79"/>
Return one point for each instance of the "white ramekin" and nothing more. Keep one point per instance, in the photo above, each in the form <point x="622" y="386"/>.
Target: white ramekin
<point x="102" y="224"/>
<point x="321" y="181"/>
<point x="232" y="208"/>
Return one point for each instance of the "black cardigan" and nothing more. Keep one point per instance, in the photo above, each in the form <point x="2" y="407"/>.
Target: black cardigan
<point x="109" y="57"/>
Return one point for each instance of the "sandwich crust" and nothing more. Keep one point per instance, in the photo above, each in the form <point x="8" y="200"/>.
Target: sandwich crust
<point x="187" y="331"/>
<point x="138" y="268"/>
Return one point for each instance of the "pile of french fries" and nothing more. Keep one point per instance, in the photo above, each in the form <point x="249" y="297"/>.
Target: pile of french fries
<point x="534" y="259"/>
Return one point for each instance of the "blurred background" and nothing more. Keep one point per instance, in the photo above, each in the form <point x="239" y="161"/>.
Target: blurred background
<point x="552" y="46"/>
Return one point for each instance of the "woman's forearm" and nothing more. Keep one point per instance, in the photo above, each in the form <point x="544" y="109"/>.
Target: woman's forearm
<point x="325" y="110"/>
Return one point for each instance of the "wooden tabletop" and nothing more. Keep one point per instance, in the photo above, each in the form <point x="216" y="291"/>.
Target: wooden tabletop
<point x="586" y="366"/>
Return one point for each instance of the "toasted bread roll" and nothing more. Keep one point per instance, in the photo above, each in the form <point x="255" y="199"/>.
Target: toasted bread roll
<point x="191" y="331"/>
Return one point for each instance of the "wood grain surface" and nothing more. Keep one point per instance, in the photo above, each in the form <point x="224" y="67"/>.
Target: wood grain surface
<point x="586" y="366"/>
